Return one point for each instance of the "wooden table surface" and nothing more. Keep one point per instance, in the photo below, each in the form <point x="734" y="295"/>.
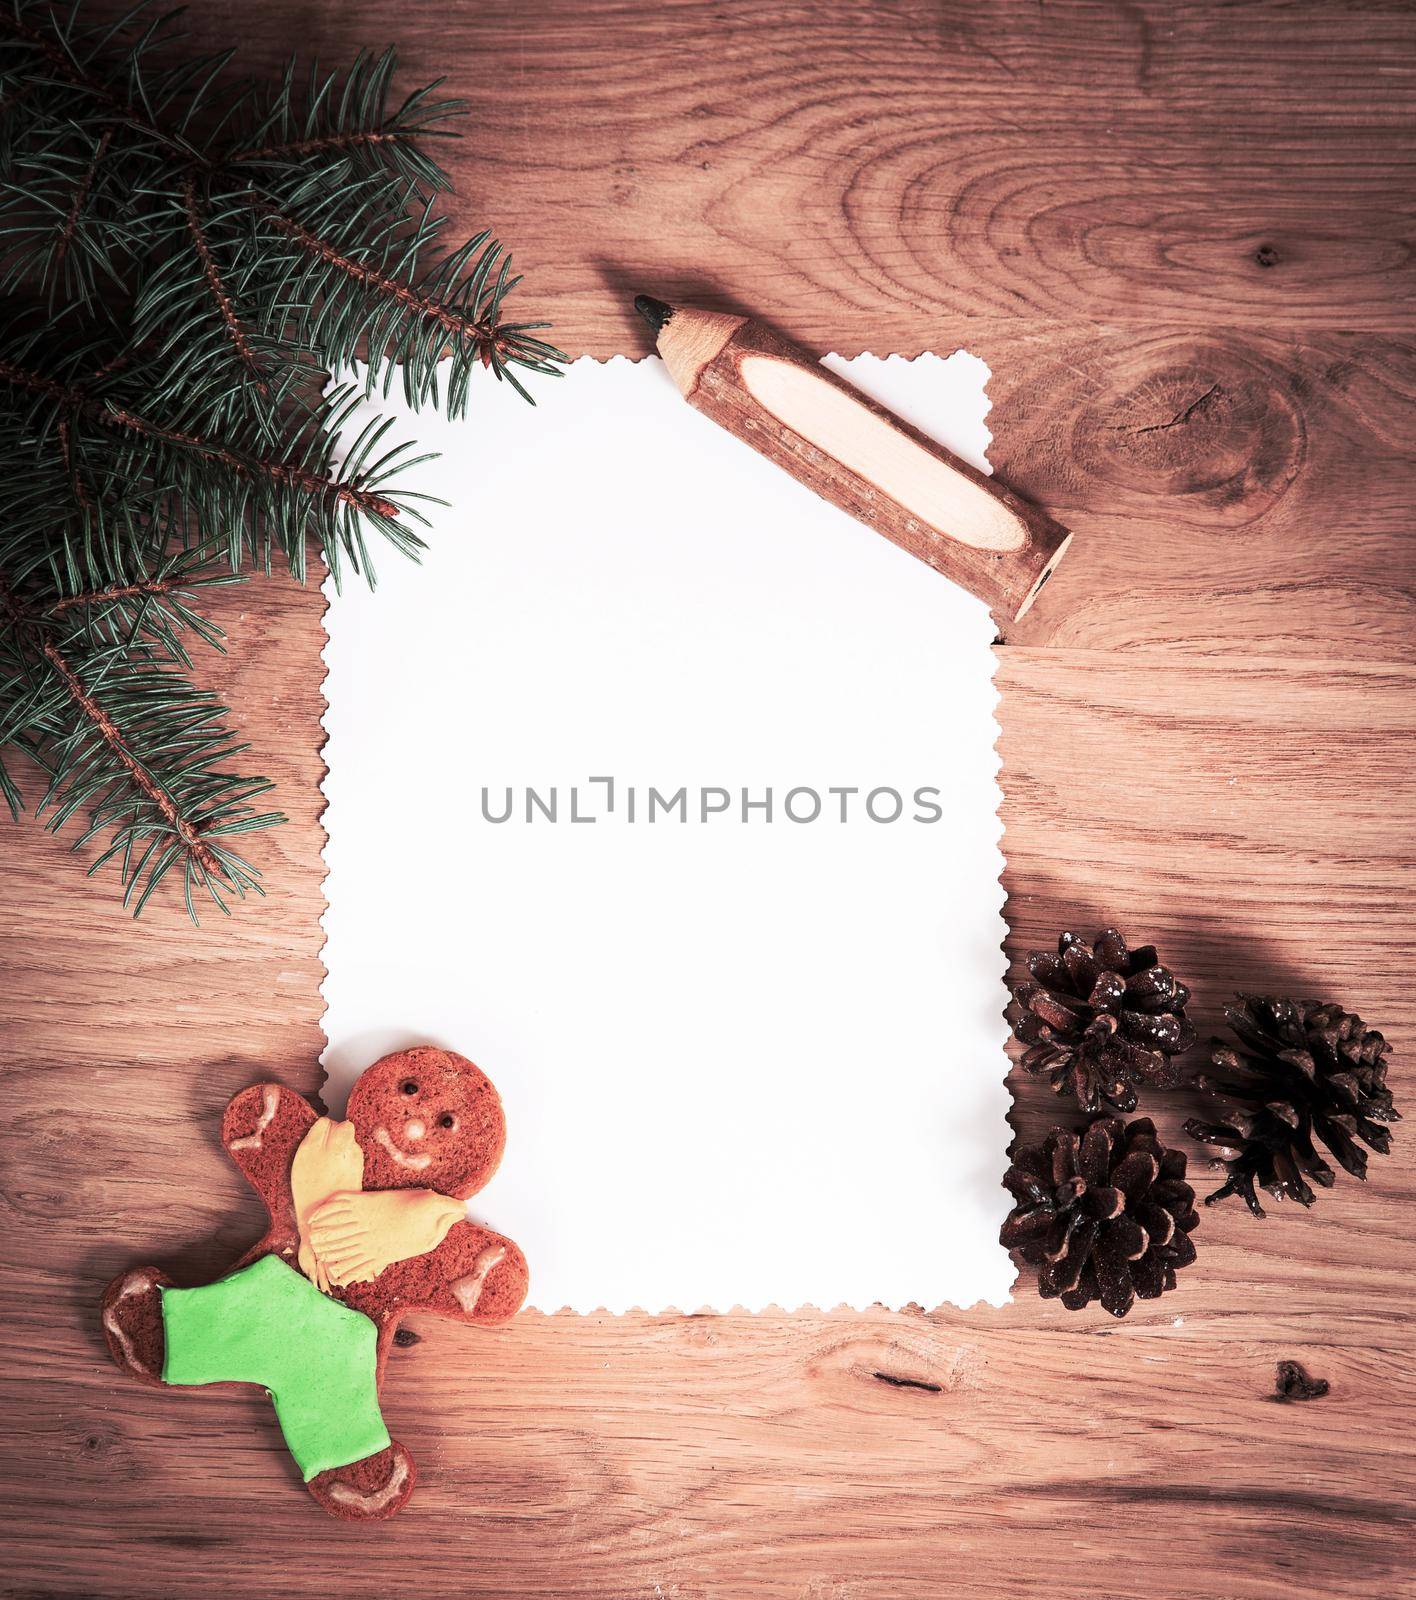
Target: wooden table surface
<point x="1181" y="237"/>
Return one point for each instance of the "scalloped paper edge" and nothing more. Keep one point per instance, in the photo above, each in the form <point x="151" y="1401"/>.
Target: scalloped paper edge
<point x="844" y="366"/>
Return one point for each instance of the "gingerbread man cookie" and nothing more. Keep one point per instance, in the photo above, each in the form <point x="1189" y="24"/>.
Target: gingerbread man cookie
<point x="366" y="1225"/>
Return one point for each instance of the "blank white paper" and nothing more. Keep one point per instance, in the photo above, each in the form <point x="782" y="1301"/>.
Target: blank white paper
<point x="745" y="1061"/>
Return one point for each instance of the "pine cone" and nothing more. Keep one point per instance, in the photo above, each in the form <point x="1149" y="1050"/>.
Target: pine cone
<point x="1101" y="1021"/>
<point x="1106" y="1215"/>
<point x="1306" y="1068"/>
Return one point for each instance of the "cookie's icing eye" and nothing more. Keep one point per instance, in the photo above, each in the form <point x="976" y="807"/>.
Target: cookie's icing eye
<point x="408" y="1086"/>
<point x="447" y="1120"/>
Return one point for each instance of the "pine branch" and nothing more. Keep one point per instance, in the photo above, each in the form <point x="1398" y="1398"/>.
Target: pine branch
<point x="375" y="299"/>
<point x="70" y="72"/>
<point x="139" y="747"/>
<point x="481" y="332"/>
<point x="291" y="498"/>
<point x="330" y="143"/>
<point x="120" y="418"/>
<point x="81" y="194"/>
<point x="281" y="472"/>
<point x="107" y="730"/>
<point x="61" y="63"/>
<point x="346" y="118"/>
<point x="184" y="255"/>
<point x="239" y="337"/>
<point x="155" y="605"/>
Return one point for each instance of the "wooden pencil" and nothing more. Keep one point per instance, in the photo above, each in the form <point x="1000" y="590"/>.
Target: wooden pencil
<point x="858" y="455"/>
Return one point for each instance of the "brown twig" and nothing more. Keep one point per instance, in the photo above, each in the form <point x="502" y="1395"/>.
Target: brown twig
<point x="112" y="736"/>
<point x="332" y="141"/>
<point x="218" y="288"/>
<point x="66" y="445"/>
<point x="477" y="332"/>
<point x="146" y="589"/>
<point x="115" y="363"/>
<point x="81" y="194"/>
<point x="37" y="383"/>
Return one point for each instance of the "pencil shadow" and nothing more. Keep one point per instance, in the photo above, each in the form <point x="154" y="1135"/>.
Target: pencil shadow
<point x="623" y="281"/>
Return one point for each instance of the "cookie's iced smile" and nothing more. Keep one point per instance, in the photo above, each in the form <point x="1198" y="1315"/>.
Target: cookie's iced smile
<point x="385" y="1142"/>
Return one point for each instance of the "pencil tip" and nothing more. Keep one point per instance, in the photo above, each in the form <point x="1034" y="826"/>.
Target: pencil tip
<point x="655" y="312"/>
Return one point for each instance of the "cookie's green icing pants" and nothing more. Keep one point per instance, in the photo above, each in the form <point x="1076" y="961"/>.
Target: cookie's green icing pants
<point x="268" y="1324"/>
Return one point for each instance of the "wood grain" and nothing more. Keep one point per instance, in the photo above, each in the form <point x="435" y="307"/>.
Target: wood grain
<point x="1181" y="237"/>
<point x="890" y="176"/>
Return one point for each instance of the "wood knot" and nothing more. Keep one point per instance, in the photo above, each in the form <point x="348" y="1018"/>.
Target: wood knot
<point x="405" y="1337"/>
<point x="100" y="1452"/>
<point x="1211" y="425"/>
<point x="1293" y="1383"/>
<point x="1266" y="256"/>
